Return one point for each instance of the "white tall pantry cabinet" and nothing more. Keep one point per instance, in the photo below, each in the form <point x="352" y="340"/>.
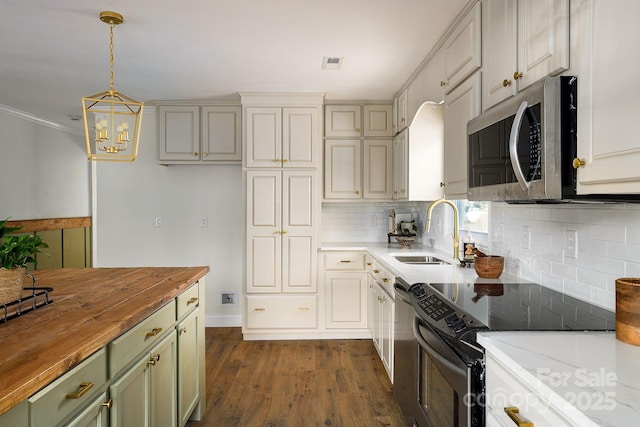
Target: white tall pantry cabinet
<point x="282" y="155"/>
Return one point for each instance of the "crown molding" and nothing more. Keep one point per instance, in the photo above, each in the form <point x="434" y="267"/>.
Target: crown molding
<point x="13" y="112"/>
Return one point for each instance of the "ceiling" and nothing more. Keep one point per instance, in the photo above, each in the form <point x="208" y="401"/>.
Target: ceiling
<point x="54" y="52"/>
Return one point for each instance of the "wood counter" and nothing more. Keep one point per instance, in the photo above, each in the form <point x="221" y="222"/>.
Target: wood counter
<point x="91" y="307"/>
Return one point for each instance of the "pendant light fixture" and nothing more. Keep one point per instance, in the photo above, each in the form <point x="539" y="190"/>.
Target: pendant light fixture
<point x="111" y="119"/>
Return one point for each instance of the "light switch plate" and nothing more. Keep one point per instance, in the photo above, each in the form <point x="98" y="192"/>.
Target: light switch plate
<point x="526" y="237"/>
<point x="571" y="244"/>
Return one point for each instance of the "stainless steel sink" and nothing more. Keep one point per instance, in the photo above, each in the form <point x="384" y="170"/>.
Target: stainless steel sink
<point x="421" y="259"/>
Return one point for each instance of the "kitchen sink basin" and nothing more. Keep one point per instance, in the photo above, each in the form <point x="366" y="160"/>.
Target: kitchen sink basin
<point x="421" y="259"/>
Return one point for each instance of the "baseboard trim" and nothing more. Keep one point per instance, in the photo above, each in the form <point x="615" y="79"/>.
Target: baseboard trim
<point x="222" y="321"/>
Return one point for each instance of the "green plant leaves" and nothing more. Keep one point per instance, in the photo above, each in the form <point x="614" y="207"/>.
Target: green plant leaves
<point x="17" y="250"/>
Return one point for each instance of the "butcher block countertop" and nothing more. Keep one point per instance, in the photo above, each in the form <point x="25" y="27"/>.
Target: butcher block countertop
<point x="91" y="307"/>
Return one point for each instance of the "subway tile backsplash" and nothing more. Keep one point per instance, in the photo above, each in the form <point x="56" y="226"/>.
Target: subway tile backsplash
<point x="608" y="240"/>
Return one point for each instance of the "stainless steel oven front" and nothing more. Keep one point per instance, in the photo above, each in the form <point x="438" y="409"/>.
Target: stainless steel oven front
<point x="450" y="390"/>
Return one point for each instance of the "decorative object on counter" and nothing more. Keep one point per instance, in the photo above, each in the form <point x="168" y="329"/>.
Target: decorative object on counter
<point x="405" y="241"/>
<point x="407" y="228"/>
<point x="16" y="251"/>
<point x="468" y="246"/>
<point x="488" y="266"/>
<point x="112" y="120"/>
<point x="628" y="310"/>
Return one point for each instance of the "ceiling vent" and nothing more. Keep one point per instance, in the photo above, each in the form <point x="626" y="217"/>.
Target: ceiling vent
<point x="331" y="63"/>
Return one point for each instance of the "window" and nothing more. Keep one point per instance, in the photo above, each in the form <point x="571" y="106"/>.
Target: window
<point x="474" y="216"/>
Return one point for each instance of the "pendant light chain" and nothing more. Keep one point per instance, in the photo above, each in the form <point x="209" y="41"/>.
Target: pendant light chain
<point x="111" y="25"/>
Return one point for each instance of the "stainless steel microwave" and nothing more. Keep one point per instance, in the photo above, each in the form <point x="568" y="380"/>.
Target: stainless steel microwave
<point x="522" y="149"/>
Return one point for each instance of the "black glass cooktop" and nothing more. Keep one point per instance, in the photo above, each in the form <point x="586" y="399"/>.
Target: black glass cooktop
<point x="525" y="307"/>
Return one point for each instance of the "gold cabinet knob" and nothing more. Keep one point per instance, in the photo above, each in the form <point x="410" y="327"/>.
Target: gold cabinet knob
<point x="284" y="231"/>
<point x="517" y="75"/>
<point x="578" y="163"/>
<point x="368" y="263"/>
<point x="108" y="404"/>
<point x="376" y="271"/>
<point x="443" y="83"/>
<point x="506" y="83"/>
<point x="277" y="160"/>
<point x="357" y="192"/>
<point x="204" y="154"/>
<point x="385" y="280"/>
<point x="442" y="184"/>
<point x="277" y="231"/>
<point x="183" y="331"/>
<point x="357" y="130"/>
<point x="195" y="153"/>
<point x="154" y="359"/>
<point x="285" y="161"/>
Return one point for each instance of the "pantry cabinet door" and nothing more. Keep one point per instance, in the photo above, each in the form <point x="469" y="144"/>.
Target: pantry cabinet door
<point x="342" y="169"/>
<point x="300" y="137"/>
<point x="377" y="169"/>
<point x="263" y="137"/>
<point x="264" y="231"/>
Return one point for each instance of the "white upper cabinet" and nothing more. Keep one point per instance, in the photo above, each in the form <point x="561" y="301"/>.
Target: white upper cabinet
<point x="342" y="169"/>
<point x="462" y="50"/>
<point x="402" y="111"/>
<point x="342" y="121"/>
<point x="543" y="39"/>
<point x="377" y="169"/>
<point x="199" y="134"/>
<point x="523" y="42"/>
<point x="281" y="137"/>
<point x="378" y="120"/>
<point x="461" y="105"/>
<point x="608" y="106"/>
<point x="426" y="86"/>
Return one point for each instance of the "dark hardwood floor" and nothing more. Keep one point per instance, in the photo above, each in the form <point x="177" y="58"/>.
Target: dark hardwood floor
<point x="295" y="383"/>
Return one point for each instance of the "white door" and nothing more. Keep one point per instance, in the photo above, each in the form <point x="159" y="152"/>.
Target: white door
<point x="378" y="169"/>
<point x="299" y="137"/>
<point x="543" y="39"/>
<point x="402" y="110"/>
<point x="342" y="169"/>
<point x="221" y="133"/>
<point x="499" y="36"/>
<point x="460" y="106"/>
<point x="264" y="137"/>
<point x="462" y="50"/>
<point x="378" y="120"/>
<point x="346" y="305"/>
<point x="342" y="121"/>
<point x="299" y="230"/>
<point x="264" y="231"/>
<point x="400" y="166"/>
<point x="179" y="132"/>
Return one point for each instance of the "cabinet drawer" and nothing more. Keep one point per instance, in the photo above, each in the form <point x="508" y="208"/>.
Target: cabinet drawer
<point x="386" y="279"/>
<point x="282" y="312"/>
<point x="53" y="403"/>
<point x="188" y="300"/>
<point x="504" y="389"/>
<point x="124" y="348"/>
<point x="344" y="261"/>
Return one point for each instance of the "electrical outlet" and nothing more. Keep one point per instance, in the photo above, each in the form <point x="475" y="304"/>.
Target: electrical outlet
<point x="228" y="298"/>
<point x="526" y="237"/>
<point x="204" y="221"/>
<point x="158" y="221"/>
<point x="571" y="244"/>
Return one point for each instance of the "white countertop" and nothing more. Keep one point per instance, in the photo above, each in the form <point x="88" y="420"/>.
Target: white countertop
<point x="590" y="376"/>
<point x="411" y="273"/>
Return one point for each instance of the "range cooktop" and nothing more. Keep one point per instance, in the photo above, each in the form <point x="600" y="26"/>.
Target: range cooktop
<point x="459" y="310"/>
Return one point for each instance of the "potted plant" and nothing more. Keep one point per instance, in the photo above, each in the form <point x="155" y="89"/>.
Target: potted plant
<point x="16" y="251"/>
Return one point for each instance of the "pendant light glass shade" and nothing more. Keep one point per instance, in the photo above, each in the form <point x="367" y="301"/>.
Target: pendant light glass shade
<point x="112" y="120"/>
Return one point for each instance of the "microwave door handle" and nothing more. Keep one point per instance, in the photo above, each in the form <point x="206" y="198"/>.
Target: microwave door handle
<point x="513" y="145"/>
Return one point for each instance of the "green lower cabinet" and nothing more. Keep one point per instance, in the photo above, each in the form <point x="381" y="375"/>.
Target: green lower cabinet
<point x="188" y="366"/>
<point x="145" y="396"/>
<point x="95" y="415"/>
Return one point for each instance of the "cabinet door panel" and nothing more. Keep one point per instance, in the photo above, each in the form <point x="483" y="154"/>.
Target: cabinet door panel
<point x="188" y="366"/>
<point x="299" y="200"/>
<point x="377" y="169"/>
<point x="342" y="171"/>
<point x="178" y="133"/>
<point x="346" y="300"/>
<point x="163" y="384"/>
<point x="462" y="49"/>
<point x="221" y="133"/>
<point x="299" y="264"/>
<point x="543" y="39"/>
<point x="461" y="105"/>
<point x="131" y="398"/>
<point x="264" y="194"/>
<point x="400" y="166"/>
<point x="300" y="137"/>
<point x="264" y="137"/>
<point x="342" y="121"/>
<point x="378" y="120"/>
<point x="263" y="263"/>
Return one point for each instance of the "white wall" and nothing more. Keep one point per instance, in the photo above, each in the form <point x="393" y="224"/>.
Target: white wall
<point x="44" y="172"/>
<point x="130" y="196"/>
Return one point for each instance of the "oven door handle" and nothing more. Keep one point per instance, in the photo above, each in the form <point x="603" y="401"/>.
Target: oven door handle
<point x="513" y="146"/>
<point x="404" y="296"/>
<point x="442" y="361"/>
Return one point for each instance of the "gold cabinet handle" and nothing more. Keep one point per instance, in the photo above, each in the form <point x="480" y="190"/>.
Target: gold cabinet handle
<point x="517" y="75"/>
<point x="369" y="264"/>
<point x="379" y="299"/>
<point x="345" y="261"/>
<point x="385" y="280"/>
<point x="278" y="231"/>
<point x="284" y="231"/>
<point x="192" y="300"/>
<point x="578" y="163"/>
<point x="513" y="412"/>
<point x="443" y="83"/>
<point x="204" y="154"/>
<point x="376" y="271"/>
<point x="82" y="389"/>
<point x="195" y="153"/>
<point x="108" y="404"/>
<point x="357" y="130"/>
<point x="357" y="192"/>
<point x="154" y="359"/>
<point x="285" y="161"/>
<point x="442" y="184"/>
<point x="277" y="160"/>
<point x="303" y="308"/>
<point x="506" y="83"/>
<point x="153" y="332"/>
<point x="259" y="309"/>
<point x="183" y="330"/>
